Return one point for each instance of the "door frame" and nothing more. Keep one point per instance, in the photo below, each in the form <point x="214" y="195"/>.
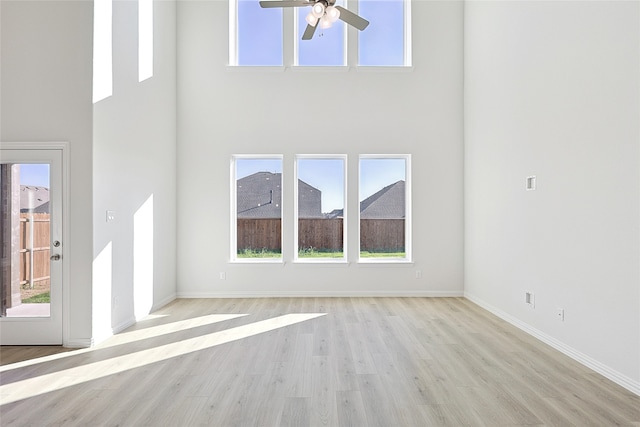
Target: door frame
<point x="63" y="147"/>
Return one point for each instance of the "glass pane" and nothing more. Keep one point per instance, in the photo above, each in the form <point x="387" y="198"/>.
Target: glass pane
<point x="25" y="239"/>
<point x="259" y="34"/>
<point x="327" y="45"/>
<point x="382" y="207"/>
<point x="259" y="207"/>
<point x="320" y="208"/>
<point x="382" y="42"/>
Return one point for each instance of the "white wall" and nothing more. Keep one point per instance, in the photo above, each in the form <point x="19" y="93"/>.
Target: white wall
<point x="223" y="111"/>
<point x="552" y="90"/>
<point x="135" y="176"/>
<point x="46" y="96"/>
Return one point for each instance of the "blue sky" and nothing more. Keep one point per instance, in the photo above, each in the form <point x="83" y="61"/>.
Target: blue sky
<point x="260" y="36"/>
<point x="327" y="175"/>
<point x="34" y="174"/>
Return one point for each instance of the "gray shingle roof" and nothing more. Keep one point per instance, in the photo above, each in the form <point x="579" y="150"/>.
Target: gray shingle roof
<point x="260" y="196"/>
<point x="387" y="203"/>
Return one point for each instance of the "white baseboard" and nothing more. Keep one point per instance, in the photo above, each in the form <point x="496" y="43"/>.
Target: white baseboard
<point x="604" y="370"/>
<point x="123" y="325"/>
<point x="321" y="294"/>
<point x="78" y="343"/>
<point x="163" y="302"/>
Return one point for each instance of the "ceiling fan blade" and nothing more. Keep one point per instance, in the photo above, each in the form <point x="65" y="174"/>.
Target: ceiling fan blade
<point x="309" y="31"/>
<point x="352" y="19"/>
<point x="284" y="3"/>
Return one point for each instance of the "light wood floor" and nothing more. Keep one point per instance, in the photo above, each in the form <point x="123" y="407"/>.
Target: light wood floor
<point x="312" y="362"/>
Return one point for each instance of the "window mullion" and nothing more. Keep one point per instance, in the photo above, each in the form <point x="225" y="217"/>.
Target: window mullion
<point x="289" y="40"/>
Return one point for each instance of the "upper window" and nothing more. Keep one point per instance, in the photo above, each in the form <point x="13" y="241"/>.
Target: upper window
<point x="385" y="208"/>
<point x="102" y="50"/>
<point x="257" y="35"/>
<point x="325" y="48"/>
<point x="257" y="204"/>
<point x="320" y="208"/>
<point x="383" y="42"/>
<point x="145" y="39"/>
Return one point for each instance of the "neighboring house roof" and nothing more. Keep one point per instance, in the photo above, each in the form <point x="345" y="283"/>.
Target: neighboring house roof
<point x="309" y="201"/>
<point x="387" y="203"/>
<point x="260" y="196"/>
<point x="34" y="199"/>
<point x="336" y="213"/>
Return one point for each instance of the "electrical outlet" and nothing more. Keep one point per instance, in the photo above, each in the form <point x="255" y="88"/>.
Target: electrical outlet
<point x="560" y="314"/>
<point x="223" y="275"/>
<point x="111" y="216"/>
<point x="418" y="274"/>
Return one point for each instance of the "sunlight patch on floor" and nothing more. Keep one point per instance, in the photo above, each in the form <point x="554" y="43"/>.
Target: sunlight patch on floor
<point x="131" y="336"/>
<point x="47" y="383"/>
<point x="168" y="328"/>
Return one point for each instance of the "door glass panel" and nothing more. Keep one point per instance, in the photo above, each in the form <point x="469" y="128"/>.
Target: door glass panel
<point x="25" y="220"/>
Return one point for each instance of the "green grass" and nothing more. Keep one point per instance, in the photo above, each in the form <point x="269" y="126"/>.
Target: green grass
<point x="319" y="253"/>
<point x="366" y="254"/>
<point x="315" y="253"/>
<point x="258" y="253"/>
<point x="38" y="299"/>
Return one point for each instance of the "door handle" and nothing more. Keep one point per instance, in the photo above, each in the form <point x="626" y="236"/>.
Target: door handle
<point x="55" y="257"/>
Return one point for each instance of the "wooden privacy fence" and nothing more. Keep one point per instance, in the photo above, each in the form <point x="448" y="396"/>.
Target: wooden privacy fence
<point x="381" y="235"/>
<point x="259" y="233"/>
<point x="318" y="233"/>
<point x="34" y="248"/>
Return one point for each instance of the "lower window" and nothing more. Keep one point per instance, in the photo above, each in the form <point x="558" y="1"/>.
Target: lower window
<point x="320" y="208"/>
<point x="384" y="208"/>
<point x="258" y="208"/>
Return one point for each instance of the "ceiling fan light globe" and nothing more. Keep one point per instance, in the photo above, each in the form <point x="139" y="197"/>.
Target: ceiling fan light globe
<point x="311" y="20"/>
<point x="325" y="23"/>
<point x="318" y="10"/>
<point x="333" y="14"/>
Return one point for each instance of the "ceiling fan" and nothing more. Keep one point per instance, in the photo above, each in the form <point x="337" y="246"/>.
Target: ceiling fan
<point x="323" y="11"/>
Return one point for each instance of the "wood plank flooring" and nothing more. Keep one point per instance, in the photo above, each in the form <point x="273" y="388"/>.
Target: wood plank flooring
<point x="311" y="362"/>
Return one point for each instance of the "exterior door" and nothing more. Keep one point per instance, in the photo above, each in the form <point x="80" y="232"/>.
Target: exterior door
<point x="31" y="246"/>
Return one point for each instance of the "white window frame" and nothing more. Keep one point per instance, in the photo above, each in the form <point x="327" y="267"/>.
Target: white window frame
<point x="343" y="259"/>
<point x="290" y="50"/>
<point x="408" y="258"/>
<point x="234" y="207"/>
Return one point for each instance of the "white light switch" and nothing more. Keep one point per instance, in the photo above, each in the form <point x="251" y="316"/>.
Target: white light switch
<point x="531" y="183"/>
<point x="111" y="216"/>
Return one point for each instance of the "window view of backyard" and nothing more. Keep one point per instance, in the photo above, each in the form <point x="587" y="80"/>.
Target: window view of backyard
<point x="383" y="207"/>
<point x="24" y="190"/>
<point x="258" y="207"/>
<point x="320" y="208"/>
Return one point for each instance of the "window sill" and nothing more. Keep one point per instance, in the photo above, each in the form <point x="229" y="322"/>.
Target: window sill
<point x="378" y="261"/>
<point x="256" y="68"/>
<point x="326" y="261"/>
<point x="275" y="261"/>
<point x="320" y="68"/>
<point x="384" y="69"/>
